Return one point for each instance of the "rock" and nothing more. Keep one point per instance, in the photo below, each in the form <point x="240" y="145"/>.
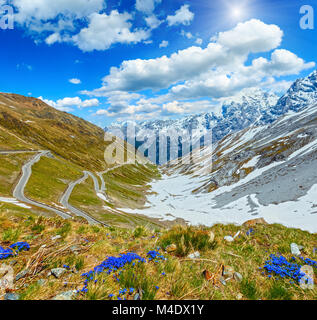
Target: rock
<point x="21" y="274"/>
<point x="195" y="255"/>
<point x="228" y="238"/>
<point x="41" y="282"/>
<point x="223" y="281"/>
<point x="11" y="296"/>
<point x="171" y="248"/>
<point x="295" y="250"/>
<point x="56" y="237"/>
<point x="137" y="297"/>
<point x="211" y="236"/>
<point x="75" y="249"/>
<point x="239" y="296"/>
<point x="6" y="277"/>
<point x="68" y="295"/>
<point x="13" y="262"/>
<point x="238" y="276"/>
<point x="307" y="281"/>
<point x="254" y="222"/>
<point x="228" y="272"/>
<point x="58" y="272"/>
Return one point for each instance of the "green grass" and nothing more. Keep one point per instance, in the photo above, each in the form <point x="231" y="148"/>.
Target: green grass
<point x="177" y="277"/>
<point x="84" y="197"/>
<point x="10" y="169"/>
<point x="50" y="178"/>
<point x="279" y="292"/>
<point x="187" y="239"/>
<point x="127" y="186"/>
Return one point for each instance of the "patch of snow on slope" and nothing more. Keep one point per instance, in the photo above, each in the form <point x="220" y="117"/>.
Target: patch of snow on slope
<point x="174" y="199"/>
<point x="15" y="202"/>
<point x="252" y="163"/>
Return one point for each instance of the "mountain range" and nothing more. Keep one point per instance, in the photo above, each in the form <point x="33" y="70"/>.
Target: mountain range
<point x="250" y="107"/>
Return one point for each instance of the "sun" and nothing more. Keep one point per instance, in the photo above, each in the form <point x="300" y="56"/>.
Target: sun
<point x="236" y="12"/>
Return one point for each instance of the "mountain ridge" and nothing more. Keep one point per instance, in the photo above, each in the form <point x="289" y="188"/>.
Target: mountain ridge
<point x="249" y="107"/>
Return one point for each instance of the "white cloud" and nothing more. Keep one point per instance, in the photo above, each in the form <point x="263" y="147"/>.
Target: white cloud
<point x="182" y="16"/>
<point x="251" y="36"/>
<point x="153" y="22"/>
<point x="196" y="64"/>
<point x="199" y="41"/>
<point x="75" y="81"/>
<point x="29" y="11"/>
<point x="283" y="62"/>
<point x="53" y="38"/>
<point x="67" y="103"/>
<point x="147" y="6"/>
<point x="104" y="30"/>
<point x="81" y="22"/>
<point x="187" y="35"/>
<point x="218" y="71"/>
<point x="164" y="44"/>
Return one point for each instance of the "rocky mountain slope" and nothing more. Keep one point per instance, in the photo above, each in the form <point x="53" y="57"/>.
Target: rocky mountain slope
<point x="250" y="107"/>
<point x="265" y="170"/>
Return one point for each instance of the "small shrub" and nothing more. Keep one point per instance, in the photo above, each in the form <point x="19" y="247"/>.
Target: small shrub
<point x="81" y="230"/>
<point x="138" y="232"/>
<point x="187" y="239"/>
<point x="248" y="289"/>
<point x="138" y="278"/>
<point x="38" y="228"/>
<point x="278" y="292"/>
<point x="64" y="230"/>
<point x="79" y="263"/>
<point x="11" y="235"/>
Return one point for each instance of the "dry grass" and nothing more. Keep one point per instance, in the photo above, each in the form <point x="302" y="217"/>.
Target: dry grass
<point x="177" y="277"/>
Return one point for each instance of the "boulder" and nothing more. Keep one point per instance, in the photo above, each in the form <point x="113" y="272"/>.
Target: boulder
<point x="228" y="272"/>
<point x="295" y="250"/>
<point x="6" y="277"/>
<point x="11" y="296"/>
<point x="56" y="237"/>
<point x="238" y="276"/>
<point x="211" y="236"/>
<point x="68" y="295"/>
<point x="228" y="238"/>
<point x="171" y="248"/>
<point x="307" y="281"/>
<point x="254" y="222"/>
<point x="195" y="255"/>
<point x="21" y="274"/>
<point x="58" y="272"/>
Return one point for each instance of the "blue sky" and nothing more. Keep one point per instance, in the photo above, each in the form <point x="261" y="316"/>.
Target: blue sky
<point x="144" y="59"/>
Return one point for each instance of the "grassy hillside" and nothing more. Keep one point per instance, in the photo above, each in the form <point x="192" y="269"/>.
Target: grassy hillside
<point x="127" y="186"/>
<point x="170" y="275"/>
<point x="76" y="145"/>
<point x="64" y="134"/>
<point x="50" y="178"/>
<point x="10" y="170"/>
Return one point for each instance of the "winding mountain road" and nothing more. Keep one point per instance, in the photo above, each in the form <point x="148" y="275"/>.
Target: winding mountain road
<point x="18" y="192"/>
<point x="65" y="198"/>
